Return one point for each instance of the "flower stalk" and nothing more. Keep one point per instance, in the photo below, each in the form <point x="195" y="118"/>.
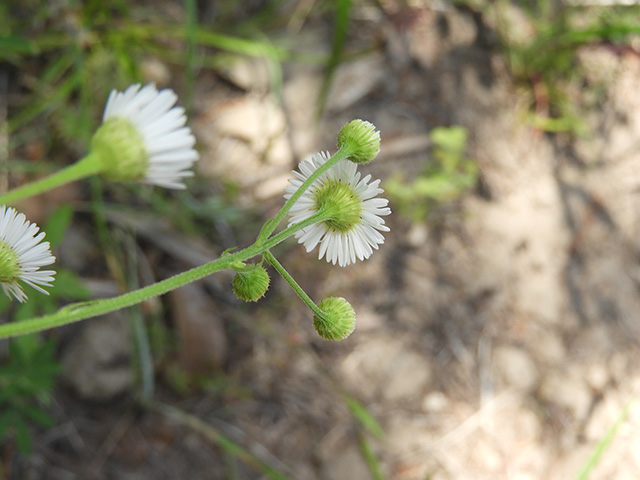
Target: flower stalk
<point x="273" y="261"/>
<point x="83" y="168"/>
<point x="272" y="224"/>
<point x="144" y="138"/>
<point x="83" y="310"/>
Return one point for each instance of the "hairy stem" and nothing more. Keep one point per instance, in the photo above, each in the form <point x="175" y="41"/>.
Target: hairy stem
<point x="272" y="224"/>
<point x="83" y="310"/>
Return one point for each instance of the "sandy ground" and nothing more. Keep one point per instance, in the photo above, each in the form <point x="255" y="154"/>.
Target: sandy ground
<point x="499" y="340"/>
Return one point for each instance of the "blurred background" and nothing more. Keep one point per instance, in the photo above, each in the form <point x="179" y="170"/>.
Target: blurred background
<point x="497" y="327"/>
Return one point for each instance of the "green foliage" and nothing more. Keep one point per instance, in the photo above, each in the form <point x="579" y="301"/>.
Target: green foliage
<point x="444" y="180"/>
<point x="341" y="18"/>
<point x="369" y="427"/>
<point x="370" y="458"/>
<point x="547" y="60"/>
<point x="26" y="383"/>
<point x="67" y="285"/>
<point x="363" y="416"/>
<point x="28" y="376"/>
<point x="57" y="224"/>
<point x="82" y="50"/>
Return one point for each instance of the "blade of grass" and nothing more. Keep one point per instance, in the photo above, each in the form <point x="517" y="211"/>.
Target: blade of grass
<point x="370" y="458"/>
<point x="190" y="62"/>
<point x="603" y="445"/>
<point x="363" y="416"/>
<point x="341" y="25"/>
<point x="83" y="124"/>
<point x="57" y="70"/>
<point x="4" y="134"/>
<point x="59" y="95"/>
<point x="14" y="46"/>
<point x="143" y="348"/>
<point x="206" y="38"/>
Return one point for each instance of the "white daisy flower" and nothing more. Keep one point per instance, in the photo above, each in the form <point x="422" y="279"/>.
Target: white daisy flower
<point x="354" y="229"/>
<point x="22" y="254"/>
<point x="168" y="143"/>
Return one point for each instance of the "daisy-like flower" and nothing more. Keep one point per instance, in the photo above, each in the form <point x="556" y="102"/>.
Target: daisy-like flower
<point x="22" y="254"/>
<point x="144" y="138"/>
<point x="353" y="231"/>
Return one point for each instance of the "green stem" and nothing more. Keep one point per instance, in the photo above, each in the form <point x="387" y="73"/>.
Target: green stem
<point x="296" y="288"/>
<point x="272" y="224"/>
<point x="83" y="310"/>
<point x="83" y="168"/>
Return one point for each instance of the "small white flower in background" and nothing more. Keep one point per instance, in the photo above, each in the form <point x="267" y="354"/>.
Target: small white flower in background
<point x="167" y="153"/>
<point x="22" y="254"/>
<point x="354" y="231"/>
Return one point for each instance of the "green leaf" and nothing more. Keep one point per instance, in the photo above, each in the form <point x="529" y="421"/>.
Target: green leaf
<point x="23" y="436"/>
<point x="14" y="44"/>
<point x="59" y="95"/>
<point x="603" y="444"/>
<point x="30" y="309"/>
<point x="362" y="415"/>
<point x="341" y="22"/>
<point x="23" y="348"/>
<point x="370" y="458"/>
<point x="5" y="303"/>
<point x="6" y="420"/>
<point x="452" y="139"/>
<point x="57" y="224"/>
<point x="38" y="415"/>
<point x="69" y="287"/>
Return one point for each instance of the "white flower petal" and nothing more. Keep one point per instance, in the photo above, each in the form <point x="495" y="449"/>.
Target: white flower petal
<point x="338" y="247"/>
<point x="163" y="128"/>
<point x="22" y="237"/>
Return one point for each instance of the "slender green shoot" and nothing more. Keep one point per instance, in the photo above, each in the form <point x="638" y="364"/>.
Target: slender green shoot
<point x="603" y="445"/>
<point x="370" y="458"/>
<point x="340" y="29"/>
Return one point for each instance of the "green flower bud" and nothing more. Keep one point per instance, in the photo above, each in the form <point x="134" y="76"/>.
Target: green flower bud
<point x="120" y="149"/>
<point x="251" y="284"/>
<point x="361" y="140"/>
<point x="338" y="321"/>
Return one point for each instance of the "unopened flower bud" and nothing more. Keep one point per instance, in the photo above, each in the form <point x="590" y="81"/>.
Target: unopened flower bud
<point x="251" y="284"/>
<point x="338" y="319"/>
<point x="361" y="139"/>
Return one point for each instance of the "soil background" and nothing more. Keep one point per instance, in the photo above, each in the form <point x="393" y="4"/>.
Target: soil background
<point x="496" y="340"/>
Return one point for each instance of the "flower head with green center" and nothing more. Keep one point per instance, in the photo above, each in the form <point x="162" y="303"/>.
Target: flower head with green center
<point x="144" y="138"/>
<point x="354" y="224"/>
<point x="22" y="254"/>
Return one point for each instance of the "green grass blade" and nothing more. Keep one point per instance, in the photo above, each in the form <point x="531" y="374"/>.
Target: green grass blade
<point x="190" y="61"/>
<point x="362" y="415"/>
<point x="244" y="46"/>
<point x="603" y="445"/>
<point x="59" y="95"/>
<point x="370" y="458"/>
<point x="12" y="46"/>
<point x="341" y="25"/>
